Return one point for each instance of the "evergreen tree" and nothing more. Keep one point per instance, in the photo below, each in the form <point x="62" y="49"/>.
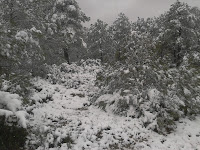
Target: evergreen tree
<point x="99" y="41"/>
<point x="35" y="32"/>
<point x="61" y="22"/>
<point x="179" y="35"/>
<point x="121" y="36"/>
<point x="18" y="48"/>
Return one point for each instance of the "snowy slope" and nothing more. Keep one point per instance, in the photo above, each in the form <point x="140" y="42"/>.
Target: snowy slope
<point x="62" y="118"/>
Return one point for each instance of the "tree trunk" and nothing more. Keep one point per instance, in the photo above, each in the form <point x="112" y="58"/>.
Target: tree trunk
<point x="117" y="55"/>
<point x="66" y="54"/>
<point x="101" y="56"/>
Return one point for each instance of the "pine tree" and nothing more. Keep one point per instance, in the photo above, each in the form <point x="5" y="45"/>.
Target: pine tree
<point x="121" y="36"/>
<point x="38" y="32"/>
<point x="179" y="35"/>
<point x="99" y="41"/>
<point x="61" y="22"/>
<point x="18" y="47"/>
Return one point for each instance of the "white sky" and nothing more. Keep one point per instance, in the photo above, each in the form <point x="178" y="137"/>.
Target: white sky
<point x="108" y="10"/>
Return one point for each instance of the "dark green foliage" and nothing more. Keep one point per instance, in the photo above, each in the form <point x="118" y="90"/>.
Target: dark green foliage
<point x="12" y="137"/>
<point x="177" y="91"/>
<point x="162" y="54"/>
<point x="99" y="42"/>
<point x="36" y="32"/>
<point x="179" y="35"/>
<point x="68" y="140"/>
<point x="102" y="105"/>
<point x="17" y="83"/>
<point x="120" y="32"/>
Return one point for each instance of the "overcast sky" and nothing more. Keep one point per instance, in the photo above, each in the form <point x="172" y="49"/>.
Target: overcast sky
<point x="108" y="10"/>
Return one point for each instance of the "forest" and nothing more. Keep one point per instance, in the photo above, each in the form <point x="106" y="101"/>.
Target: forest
<point x="129" y="85"/>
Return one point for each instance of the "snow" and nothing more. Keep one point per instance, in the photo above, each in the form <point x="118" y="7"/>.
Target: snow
<point x="5" y="85"/>
<point x="60" y="1"/>
<point x="72" y="8"/>
<point x="71" y="31"/>
<point x="22" y="36"/>
<point x="69" y="115"/>
<point x="34" y="41"/>
<point x="186" y="91"/>
<point x="83" y="43"/>
<point x="33" y="29"/>
<point x="126" y="71"/>
<point x="186" y="137"/>
<point x="11" y="101"/>
<point x="153" y="94"/>
<point x="5" y="113"/>
<point x="10" y="105"/>
<point x="21" y="115"/>
<point x="54" y="17"/>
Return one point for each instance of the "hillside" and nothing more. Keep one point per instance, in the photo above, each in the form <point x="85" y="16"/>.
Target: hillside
<point x="63" y="118"/>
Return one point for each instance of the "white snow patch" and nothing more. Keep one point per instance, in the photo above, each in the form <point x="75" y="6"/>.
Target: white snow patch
<point x="10" y="105"/>
<point x="21" y="115"/>
<point x="186" y="91"/>
<point x="33" y="29"/>
<point x="6" y="113"/>
<point x="153" y="94"/>
<point x="11" y="101"/>
<point x="72" y="8"/>
<point x="126" y="71"/>
<point x="22" y="36"/>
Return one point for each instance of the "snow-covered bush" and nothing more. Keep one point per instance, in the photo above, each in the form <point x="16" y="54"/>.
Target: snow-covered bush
<point x="156" y="95"/>
<point x="17" y="83"/>
<point x="10" y="107"/>
<point x="74" y="75"/>
<point x="20" y="51"/>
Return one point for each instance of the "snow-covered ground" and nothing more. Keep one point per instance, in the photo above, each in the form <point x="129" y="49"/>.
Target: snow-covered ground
<point x="62" y="118"/>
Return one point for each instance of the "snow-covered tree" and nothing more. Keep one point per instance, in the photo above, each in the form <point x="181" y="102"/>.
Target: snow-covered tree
<point x="61" y="21"/>
<point x="121" y="36"/>
<point x="18" y="47"/>
<point x="37" y="32"/>
<point x="160" y="75"/>
<point x="179" y="36"/>
<point x="99" y="41"/>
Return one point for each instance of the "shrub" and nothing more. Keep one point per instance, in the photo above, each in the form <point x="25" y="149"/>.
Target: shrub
<point x="74" y="75"/>
<point x="157" y="95"/>
<point x="18" y="84"/>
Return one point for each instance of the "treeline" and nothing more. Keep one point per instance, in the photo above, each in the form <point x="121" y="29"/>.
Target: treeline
<point x="153" y="66"/>
<point x="36" y="32"/>
<point x="167" y="38"/>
